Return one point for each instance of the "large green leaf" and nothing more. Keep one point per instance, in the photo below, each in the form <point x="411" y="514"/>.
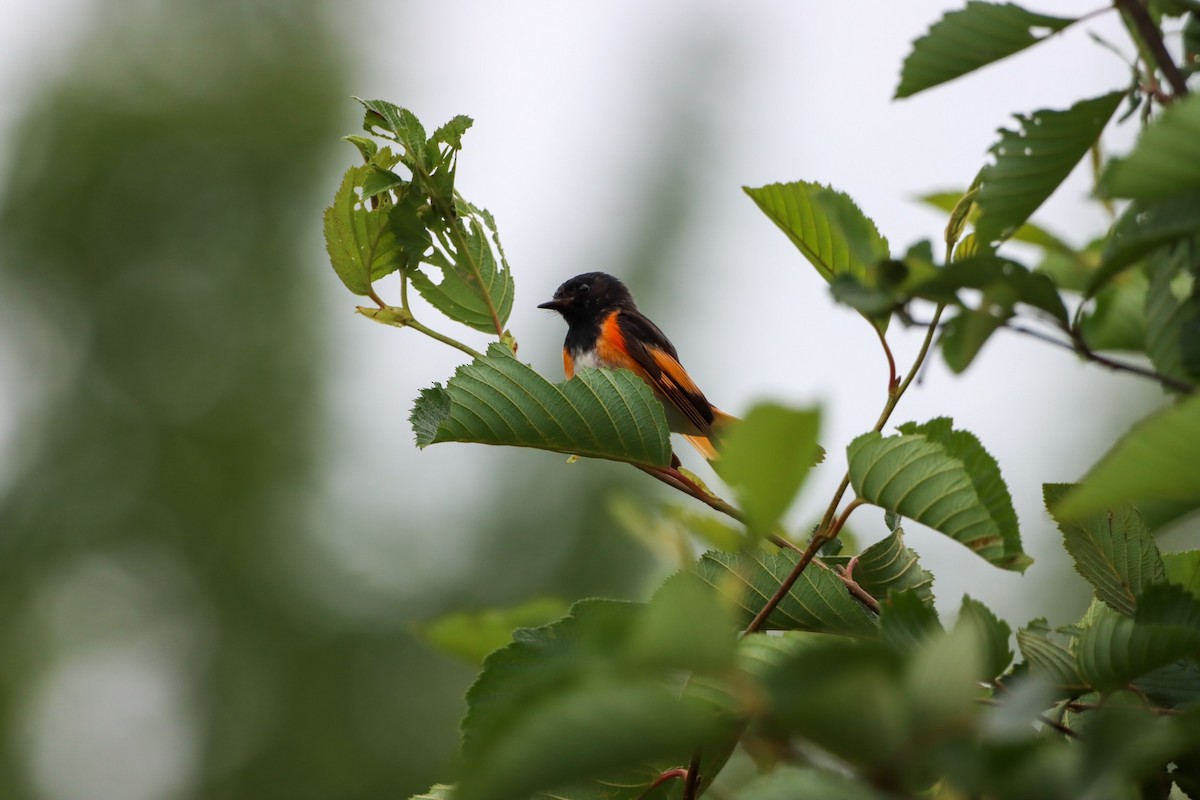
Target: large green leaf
<point x="359" y="239"/>
<point x="944" y="479"/>
<point x="1117" y="649"/>
<point x="473" y="279"/>
<point x="1112" y="550"/>
<point x="828" y="229"/>
<point x="574" y="700"/>
<point x="1156" y="459"/>
<point x="965" y="40"/>
<point x="818" y="601"/>
<point x="766" y="458"/>
<point x="1144" y="226"/>
<point x="1031" y="162"/>
<point x="1165" y="160"/>
<point x="498" y="400"/>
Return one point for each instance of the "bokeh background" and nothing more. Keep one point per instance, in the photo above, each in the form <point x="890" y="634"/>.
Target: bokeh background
<point x="216" y="535"/>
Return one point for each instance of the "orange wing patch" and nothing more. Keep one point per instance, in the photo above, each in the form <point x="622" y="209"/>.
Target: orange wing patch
<point x="568" y="364"/>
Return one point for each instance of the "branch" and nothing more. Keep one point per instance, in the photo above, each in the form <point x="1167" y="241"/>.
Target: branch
<point x="1135" y="11"/>
<point x="1080" y="347"/>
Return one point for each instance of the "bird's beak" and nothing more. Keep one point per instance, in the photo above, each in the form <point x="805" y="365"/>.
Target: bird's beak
<point x="553" y="305"/>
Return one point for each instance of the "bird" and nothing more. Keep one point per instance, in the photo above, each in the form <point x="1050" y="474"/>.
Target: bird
<point x="606" y="329"/>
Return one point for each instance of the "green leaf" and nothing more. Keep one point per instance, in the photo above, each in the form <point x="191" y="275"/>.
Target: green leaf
<point x="906" y="620"/>
<point x="1183" y="569"/>
<point x="365" y="145"/>
<point x="1173" y="314"/>
<point x="379" y="181"/>
<point x="963" y="337"/>
<point x="686" y="625"/>
<point x="452" y="132"/>
<point x="993" y="634"/>
<point x="1117" y="320"/>
<point x="1156" y="459"/>
<point x="399" y="121"/>
<point x="1031" y="162"/>
<point x="828" y="229"/>
<point x="963" y="41"/>
<point x="844" y="697"/>
<point x="471" y="276"/>
<point x="439" y="791"/>
<point x="1117" y="649"/>
<point x="498" y="400"/>
<point x="1112" y="550"/>
<point x="1049" y="658"/>
<point x="1004" y="282"/>
<point x="565" y="703"/>
<point x="944" y="479"/>
<point x="472" y="635"/>
<point x="766" y="458"/>
<point x="1165" y="160"/>
<point x="817" y="602"/>
<point x="1143" y="227"/>
<point x="888" y="567"/>
<point x="361" y="244"/>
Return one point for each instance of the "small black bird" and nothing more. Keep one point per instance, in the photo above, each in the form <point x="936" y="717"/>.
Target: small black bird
<point x="605" y="329"/>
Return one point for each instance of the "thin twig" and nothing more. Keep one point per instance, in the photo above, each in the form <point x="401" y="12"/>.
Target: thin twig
<point x="887" y="351"/>
<point x="691" y="782"/>
<point x="1042" y="718"/>
<point x="677" y="480"/>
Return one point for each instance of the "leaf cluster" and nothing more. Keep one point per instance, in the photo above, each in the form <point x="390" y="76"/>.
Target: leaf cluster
<point x="820" y="665"/>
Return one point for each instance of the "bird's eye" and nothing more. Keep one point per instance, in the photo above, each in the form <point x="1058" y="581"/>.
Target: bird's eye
<point x="584" y="288"/>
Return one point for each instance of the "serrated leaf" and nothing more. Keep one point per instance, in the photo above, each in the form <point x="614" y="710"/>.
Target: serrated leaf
<point x="452" y="132"/>
<point x="965" y="40"/>
<point x="471" y="277"/>
<point x="1031" y="162"/>
<point x="1112" y="550"/>
<point x="944" y="479"/>
<point x="472" y="635"/>
<point x="399" y="121"/>
<point x="964" y="335"/>
<point x="817" y="602"/>
<point x="378" y="181"/>
<point x="1117" y="649"/>
<point x="765" y="458"/>
<point x="993" y="635"/>
<point x="1049" y="658"/>
<point x="1165" y="160"/>
<point x="1156" y="459"/>
<point x="361" y="244"/>
<point x="497" y="400"/>
<point x="888" y="567"/>
<point x="828" y="229"/>
<point x="1143" y="227"/>
<point x="365" y="145"/>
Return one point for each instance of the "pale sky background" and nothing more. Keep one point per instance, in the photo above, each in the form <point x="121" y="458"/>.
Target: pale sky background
<point x="569" y="100"/>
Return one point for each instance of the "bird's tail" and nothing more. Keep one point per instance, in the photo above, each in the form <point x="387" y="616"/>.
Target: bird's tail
<point x="706" y="444"/>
